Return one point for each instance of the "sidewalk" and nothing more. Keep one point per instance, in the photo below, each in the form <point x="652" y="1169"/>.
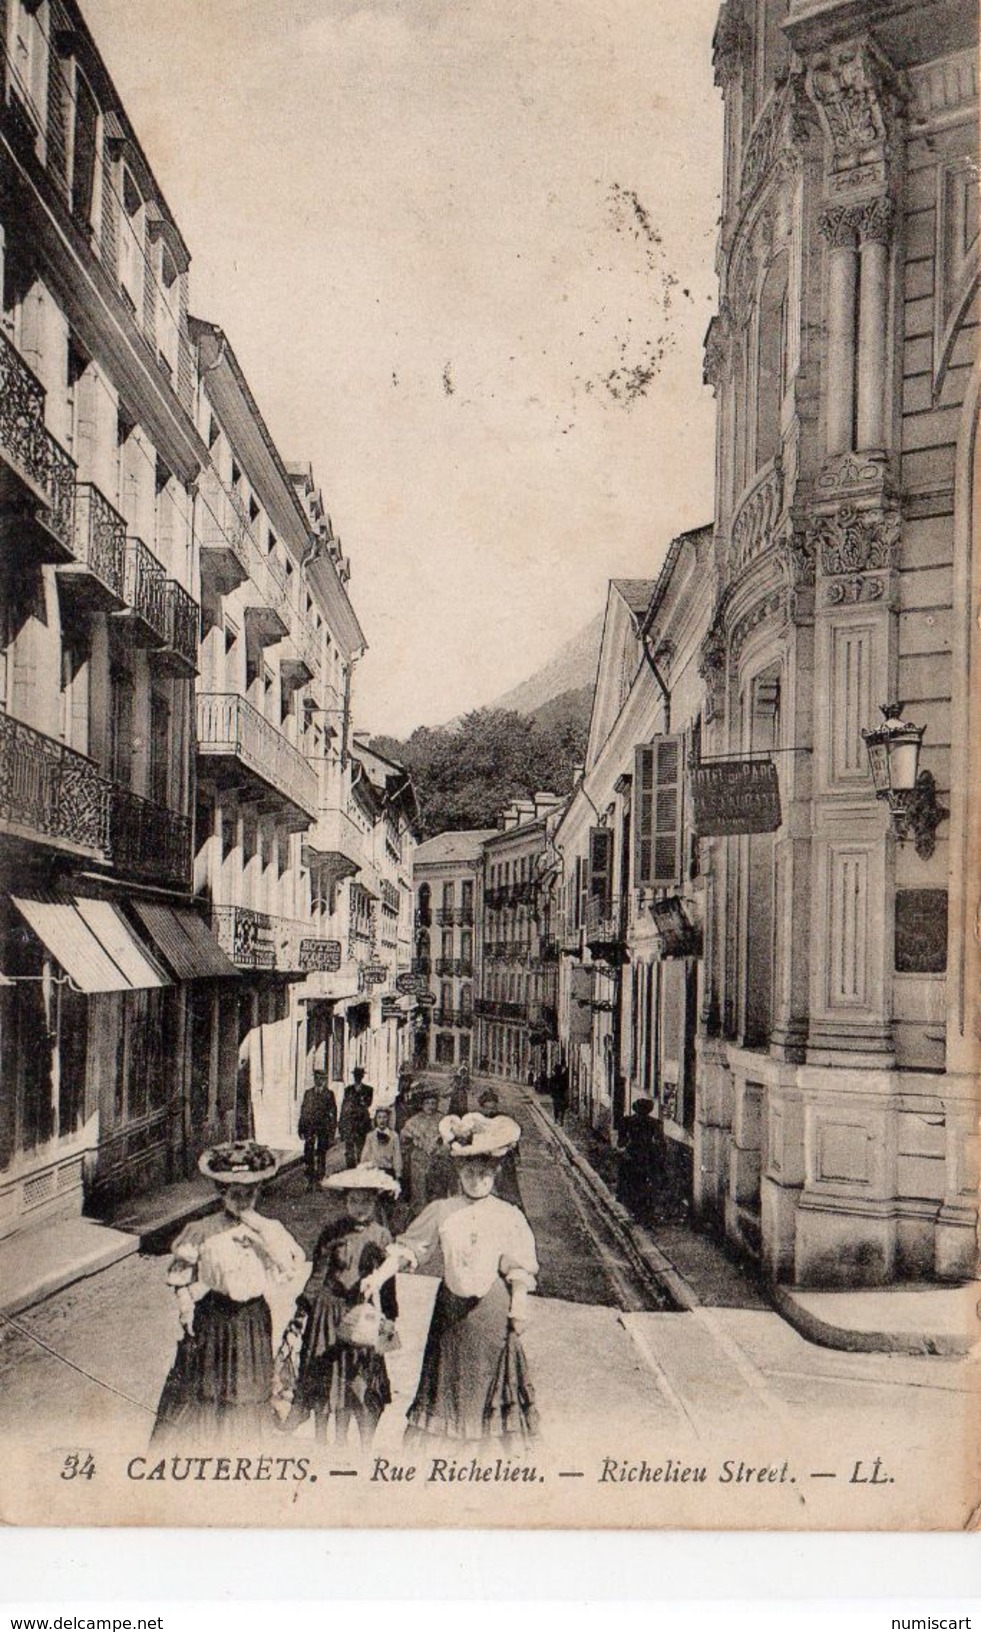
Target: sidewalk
<point x="912" y="1318"/>
<point x="40" y="1262"/>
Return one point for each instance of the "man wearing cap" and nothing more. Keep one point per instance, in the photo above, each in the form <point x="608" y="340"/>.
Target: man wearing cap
<point x="355" y="1118"/>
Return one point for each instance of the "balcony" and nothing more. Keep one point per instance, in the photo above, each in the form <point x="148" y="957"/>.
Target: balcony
<point x="243" y="750"/>
<point x="454" y="966"/>
<point x="147" y="841"/>
<point x="422" y="966"/>
<point x="493" y="1009"/>
<point x="96" y="576"/>
<point x="145" y="595"/>
<point x="454" y="915"/>
<point x="604" y="936"/>
<point x="182" y="618"/>
<point x="49" y="793"/>
<point x="334" y="845"/>
<point x="37" y="476"/>
<point x="223" y="536"/>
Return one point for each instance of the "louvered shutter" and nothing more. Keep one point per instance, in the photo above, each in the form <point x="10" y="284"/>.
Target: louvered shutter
<point x="659" y="789"/>
<point x="601" y="868"/>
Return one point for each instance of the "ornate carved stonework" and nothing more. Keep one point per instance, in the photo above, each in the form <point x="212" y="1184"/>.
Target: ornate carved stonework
<point x="715" y="362"/>
<point x="778" y="139"/>
<point x="875" y="220"/>
<point x="849" y="591"/>
<point x="861" y="474"/>
<point x="798" y="553"/>
<point x="850" y="540"/>
<point x="712" y="668"/>
<point x="770" y="606"/>
<point x="854" y="89"/>
<point x="839" y="225"/>
<point x="752" y="528"/>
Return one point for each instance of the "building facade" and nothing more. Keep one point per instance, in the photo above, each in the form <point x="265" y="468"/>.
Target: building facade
<point x="448" y="880"/>
<point x="99" y="454"/>
<point x="835" y="1136"/>
<point x="517" y="1009"/>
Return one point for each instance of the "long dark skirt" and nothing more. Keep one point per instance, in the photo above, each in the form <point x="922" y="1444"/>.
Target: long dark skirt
<point x="220" y="1384"/>
<point x="474" y="1384"/>
<point x="333" y="1376"/>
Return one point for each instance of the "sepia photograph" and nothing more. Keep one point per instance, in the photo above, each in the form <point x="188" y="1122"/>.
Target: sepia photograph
<point x="490" y="764"/>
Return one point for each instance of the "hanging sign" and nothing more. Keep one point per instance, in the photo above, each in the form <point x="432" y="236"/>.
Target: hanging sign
<point x="679" y="937"/>
<point x="375" y="974"/>
<point x="409" y="984"/>
<point x="735" y="796"/>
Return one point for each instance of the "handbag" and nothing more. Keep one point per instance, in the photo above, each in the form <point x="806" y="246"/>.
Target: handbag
<point x="363" y="1326"/>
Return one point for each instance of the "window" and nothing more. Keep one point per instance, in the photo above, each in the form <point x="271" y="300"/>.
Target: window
<point x="601" y="870"/>
<point x="771" y="360"/>
<point x="658" y="785"/>
<point x="131" y="235"/>
<point x="448" y="891"/>
<point x="29" y="60"/>
<point x="121" y="727"/>
<point x="160" y="750"/>
<point x="168" y="312"/>
<point x="85" y="146"/>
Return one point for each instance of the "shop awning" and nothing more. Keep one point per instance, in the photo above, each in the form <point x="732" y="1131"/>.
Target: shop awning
<point x="185" y="940"/>
<point x="92" y="942"/>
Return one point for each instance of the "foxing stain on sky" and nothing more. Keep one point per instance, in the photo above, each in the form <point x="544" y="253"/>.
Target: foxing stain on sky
<point x="464" y="252"/>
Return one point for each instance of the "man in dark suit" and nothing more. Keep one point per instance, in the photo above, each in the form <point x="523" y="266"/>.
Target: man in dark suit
<point x="355" y="1122"/>
<point x="317" y="1127"/>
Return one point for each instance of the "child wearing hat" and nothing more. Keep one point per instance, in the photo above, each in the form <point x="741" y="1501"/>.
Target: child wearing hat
<point x="224" y="1270"/>
<point x="337" y="1376"/>
<point x="474" y="1384"/>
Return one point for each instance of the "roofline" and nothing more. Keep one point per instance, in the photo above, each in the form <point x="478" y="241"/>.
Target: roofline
<point x="666" y="573"/>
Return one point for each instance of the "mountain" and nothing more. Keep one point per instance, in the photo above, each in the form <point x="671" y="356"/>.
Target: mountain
<point x="572" y="669"/>
<point x="569" y="708"/>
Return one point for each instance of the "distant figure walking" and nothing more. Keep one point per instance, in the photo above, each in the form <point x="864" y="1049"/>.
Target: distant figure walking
<point x="638" y="1159"/>
<point x="558" y="1087"/>
<point x="460" y="1097"/>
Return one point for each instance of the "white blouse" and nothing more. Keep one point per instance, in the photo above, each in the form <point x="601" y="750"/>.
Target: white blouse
<point x="220" y="1254"/>
<point x="479" y="1241"/>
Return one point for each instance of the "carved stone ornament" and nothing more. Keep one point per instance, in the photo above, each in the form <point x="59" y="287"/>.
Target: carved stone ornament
<point x="839" y="225"/>
<point x="715" y="361"/>
<point x="712" y="668"/>
<point x="875" y="221"/>
<point x="853" y="86"/>
<point x="770" y="606"/>
<point x="752" y="528"/>
<point x="798" y="552"/>
<point x="850" y="591"/>
<point x="852" y="541"/>
<point x="777" y="141"/>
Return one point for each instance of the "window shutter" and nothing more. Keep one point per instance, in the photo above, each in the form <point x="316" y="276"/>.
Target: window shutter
<point x="659" y="790"/>
<point x="601" y="868"/>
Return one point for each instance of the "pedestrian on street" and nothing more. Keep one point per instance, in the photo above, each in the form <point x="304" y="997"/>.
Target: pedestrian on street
<point x="403" y="1096"/>
<point x="355" y="1119"/>
<point x="637" y="1163"/>
<point x="420" y="1142"/>
<point x="460" y="1097"/>
<point x="474" y="1386"/>
<point x="342" y="1371"/>
<point x="223" y="1270"/>
<point x="317" y="1127"/>
<point x="383" y="1149"/>
<point x="506" y="1185"/>
<point x="558" y="1087"/>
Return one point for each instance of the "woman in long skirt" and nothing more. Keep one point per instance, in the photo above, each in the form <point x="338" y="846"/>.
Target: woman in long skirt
<point x="223" y="1270"/>
<point x="474" y="1385"/>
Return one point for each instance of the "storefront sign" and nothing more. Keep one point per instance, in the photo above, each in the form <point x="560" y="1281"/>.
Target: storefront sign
<point x="375" y="974"/>
<point x="735" y="796"/>
<point x="323" y="956"/>
<point x="409" y="984"/>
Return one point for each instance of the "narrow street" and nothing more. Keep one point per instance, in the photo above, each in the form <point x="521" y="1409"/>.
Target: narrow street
<point x="646" y="1380"/>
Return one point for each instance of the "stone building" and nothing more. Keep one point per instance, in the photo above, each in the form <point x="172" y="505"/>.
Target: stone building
<point x="99" y="454"/>
<point x="835" y="1135"/>
<point x="447" y="879"/>
<point x="517" y="1008"/>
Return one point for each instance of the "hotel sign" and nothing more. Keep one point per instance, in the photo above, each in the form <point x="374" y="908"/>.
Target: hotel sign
<point x="410" y="985"/>
<point x="735" y="796"/>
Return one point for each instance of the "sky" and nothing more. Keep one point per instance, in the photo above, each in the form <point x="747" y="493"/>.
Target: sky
<point x="464" y="251"/>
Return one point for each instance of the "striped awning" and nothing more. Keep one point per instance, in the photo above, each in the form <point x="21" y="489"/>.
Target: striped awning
<point x="186" y="942"/>
<point x="92" y="942"/>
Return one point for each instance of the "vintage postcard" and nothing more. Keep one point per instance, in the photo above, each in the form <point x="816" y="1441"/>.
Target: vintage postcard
<point x="490" y="738"/>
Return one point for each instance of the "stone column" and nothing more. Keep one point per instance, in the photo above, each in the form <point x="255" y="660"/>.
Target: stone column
<point x="874" y="228"/>
<point x="839" y="228"/>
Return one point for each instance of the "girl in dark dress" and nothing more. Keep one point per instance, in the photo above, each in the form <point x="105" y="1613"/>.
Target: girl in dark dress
<point x="336" y="1376"/>
<point x="223" y="1270"/>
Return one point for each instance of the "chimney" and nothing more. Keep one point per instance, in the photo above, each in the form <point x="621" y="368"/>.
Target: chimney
<point x="545" y="802"/>
<point x="578" y="773"/>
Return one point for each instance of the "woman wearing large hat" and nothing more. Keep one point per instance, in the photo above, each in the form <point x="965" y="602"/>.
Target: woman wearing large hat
<point x="474" y="1384"/>
<point x="223" y="1270"/>
<point x="342" y="1372"/>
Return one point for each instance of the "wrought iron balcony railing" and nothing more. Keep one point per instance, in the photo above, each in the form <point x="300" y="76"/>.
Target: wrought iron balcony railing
<point x="41" y="464"/>
<point x="147" y="840"/>
<point x="51" y="792"/>
<point x="145" y="594"/>
<point x="100" y="545"/>
<point x="454" y="966"/>
<point x="230" y="728"/>
<point x="454" y="915"/>
<point x="422" y="966"/>
<point x="183" y="621"/>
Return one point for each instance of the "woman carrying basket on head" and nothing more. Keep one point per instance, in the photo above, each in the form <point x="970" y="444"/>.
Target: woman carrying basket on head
<point x="474" y="1384"/>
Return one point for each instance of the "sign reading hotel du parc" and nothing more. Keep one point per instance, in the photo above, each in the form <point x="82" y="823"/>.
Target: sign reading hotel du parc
<point x="735" y="796"/>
